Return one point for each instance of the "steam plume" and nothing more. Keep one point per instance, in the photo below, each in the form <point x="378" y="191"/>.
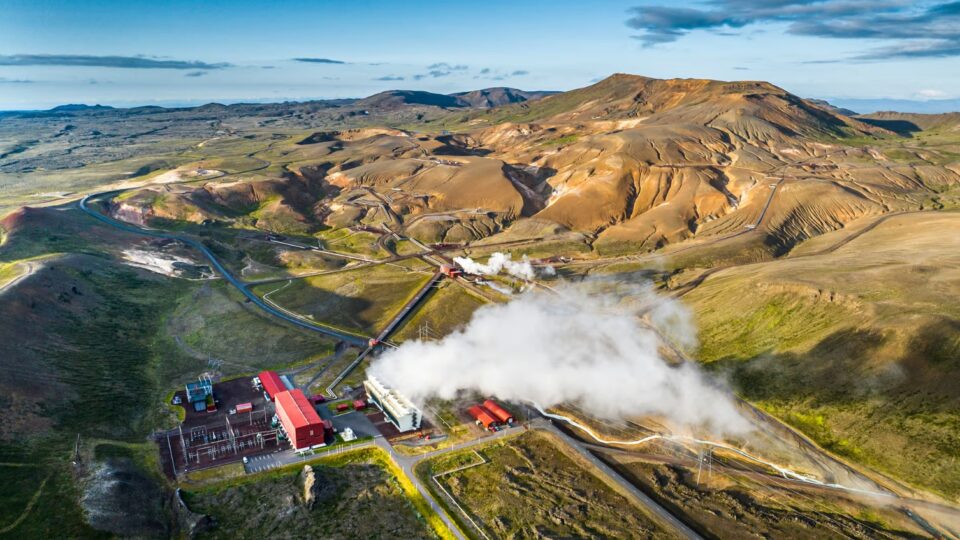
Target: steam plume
<point x="498" y="262"/>
<point x="582" y="347"/>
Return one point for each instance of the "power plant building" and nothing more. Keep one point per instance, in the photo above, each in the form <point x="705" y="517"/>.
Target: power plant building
<point x="299" y="419"/>
<point x="482" y="417"/>
<point x="397" y="409"/>
<point x="501" y="414"/>
<point x="272" y="384"/>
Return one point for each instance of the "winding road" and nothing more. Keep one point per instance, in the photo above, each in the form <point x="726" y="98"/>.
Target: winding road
<point x="31" y="268"/>
<point x="231" y="279"/>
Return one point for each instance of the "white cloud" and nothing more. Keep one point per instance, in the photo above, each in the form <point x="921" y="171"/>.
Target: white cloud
<point x="931" y="94"/>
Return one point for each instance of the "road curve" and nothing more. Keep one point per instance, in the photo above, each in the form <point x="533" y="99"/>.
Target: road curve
<point x="408" y="465"/>
<point x="31" y="268"/>
<point x="239" y="285"/>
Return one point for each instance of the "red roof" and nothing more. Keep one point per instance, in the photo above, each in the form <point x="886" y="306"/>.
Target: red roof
<point x="481" y="415"/>
<point x="297" y="408"/>
<point x="271" y="383"/>
<point x="498" y="411"/>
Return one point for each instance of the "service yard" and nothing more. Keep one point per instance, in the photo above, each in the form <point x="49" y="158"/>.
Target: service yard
<point x="528" y="487"/>
<point x="215" y="438"/>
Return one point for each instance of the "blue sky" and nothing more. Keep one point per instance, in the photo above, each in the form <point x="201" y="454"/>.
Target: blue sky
<point x="173" y="52"/>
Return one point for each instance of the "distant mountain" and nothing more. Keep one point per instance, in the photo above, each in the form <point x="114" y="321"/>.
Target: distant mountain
<point x="867" y="106"/>
<point x="753" y="110"/>
<point x="831" y="107"/>
<point x="906" y="123"/>
<point x="394" y="99"/>
<point x="495" y="97"/>
<point x="79" y="107"/>
<point x="481" y="99"/>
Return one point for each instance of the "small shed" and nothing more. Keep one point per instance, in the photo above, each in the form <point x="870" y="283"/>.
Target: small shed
<point x="482" y="416"/>
<point x="499" y="412"/>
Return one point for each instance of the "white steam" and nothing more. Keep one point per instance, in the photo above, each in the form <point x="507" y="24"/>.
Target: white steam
<point x="582" y="347"/>
<point x="500" y="262"/>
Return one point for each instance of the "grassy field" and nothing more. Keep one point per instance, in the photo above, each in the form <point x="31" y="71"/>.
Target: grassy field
<point x="857" y="348"/>
<point x="39" y="500"/>
<point x="216" y="321"/>
<point x="334" y="369"/>
<point x="358" y="496"/>
<point x="442" y="312"/>
<point x="724" y="503"/>
<point x="361" y="300"/>
<point x="540" y="492"/>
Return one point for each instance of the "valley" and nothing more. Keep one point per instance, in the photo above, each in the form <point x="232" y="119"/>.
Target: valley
<point x="815" y="251"/>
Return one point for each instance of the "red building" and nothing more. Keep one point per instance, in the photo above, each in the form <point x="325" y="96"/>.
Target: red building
<point x="450" y="270"/>
<point x="482" y="417"/>
<point x="499" y="412"/>
<point x="299" y="419"/>
<point x="272" y="384"/>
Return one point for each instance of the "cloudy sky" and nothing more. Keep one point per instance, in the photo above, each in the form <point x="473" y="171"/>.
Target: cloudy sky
<point x="853" y="52"/>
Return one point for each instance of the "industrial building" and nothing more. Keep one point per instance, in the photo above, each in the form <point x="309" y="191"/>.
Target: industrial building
<point x="299" y="419"/>
<point x="451" y="271"/>
<point x="200" y="394"/>
<point x="397" y="409"/>
<point x="501" y="414"/>
<point x="483" y="417"/>
<point x="272" y="384"/>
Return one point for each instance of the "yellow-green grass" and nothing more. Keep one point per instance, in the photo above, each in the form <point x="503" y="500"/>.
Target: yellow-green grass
<point x="529" y="486"/>
<point x="725" y="502"/>
<point x="445" y="310"/>
<point x="355" y="378"/>
<point x="351" y="242"/>
<point x="10" y="272"/>
<point x="857" y="348"/>
<point x="387" y="499"/>
<point x="362" y="300"/>
<point x="216" y="321"/>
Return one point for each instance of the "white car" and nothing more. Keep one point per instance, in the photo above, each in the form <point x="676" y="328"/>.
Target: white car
<point x="245" y="460"/>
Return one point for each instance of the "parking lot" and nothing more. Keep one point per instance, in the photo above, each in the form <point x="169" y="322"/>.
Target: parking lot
<point x="265" y="462"/>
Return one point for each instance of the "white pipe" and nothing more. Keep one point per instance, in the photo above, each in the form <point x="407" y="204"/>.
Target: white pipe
<point x="787" y="473"/>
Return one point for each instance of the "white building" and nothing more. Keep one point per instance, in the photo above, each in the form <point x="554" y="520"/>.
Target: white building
<point x="397" y="409"/>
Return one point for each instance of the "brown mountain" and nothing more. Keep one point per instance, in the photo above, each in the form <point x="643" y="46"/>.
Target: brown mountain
<point x="632" y="162"/>
<point x="495" y="97"/>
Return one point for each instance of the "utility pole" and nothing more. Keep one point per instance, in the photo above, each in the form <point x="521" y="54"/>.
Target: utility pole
<point x="76" y="451"/>
<point x="699" y="466"/>
<point x="233" y="438"/>
<point x="183" y="444"/>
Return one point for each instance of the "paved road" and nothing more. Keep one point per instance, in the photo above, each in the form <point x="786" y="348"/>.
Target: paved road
<point x="273" y="460"/>
<point x="408" y="465"/>
<point x="639" y="496"/>
<point x="239" y="285"/>
<point x="28" y="271"/>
